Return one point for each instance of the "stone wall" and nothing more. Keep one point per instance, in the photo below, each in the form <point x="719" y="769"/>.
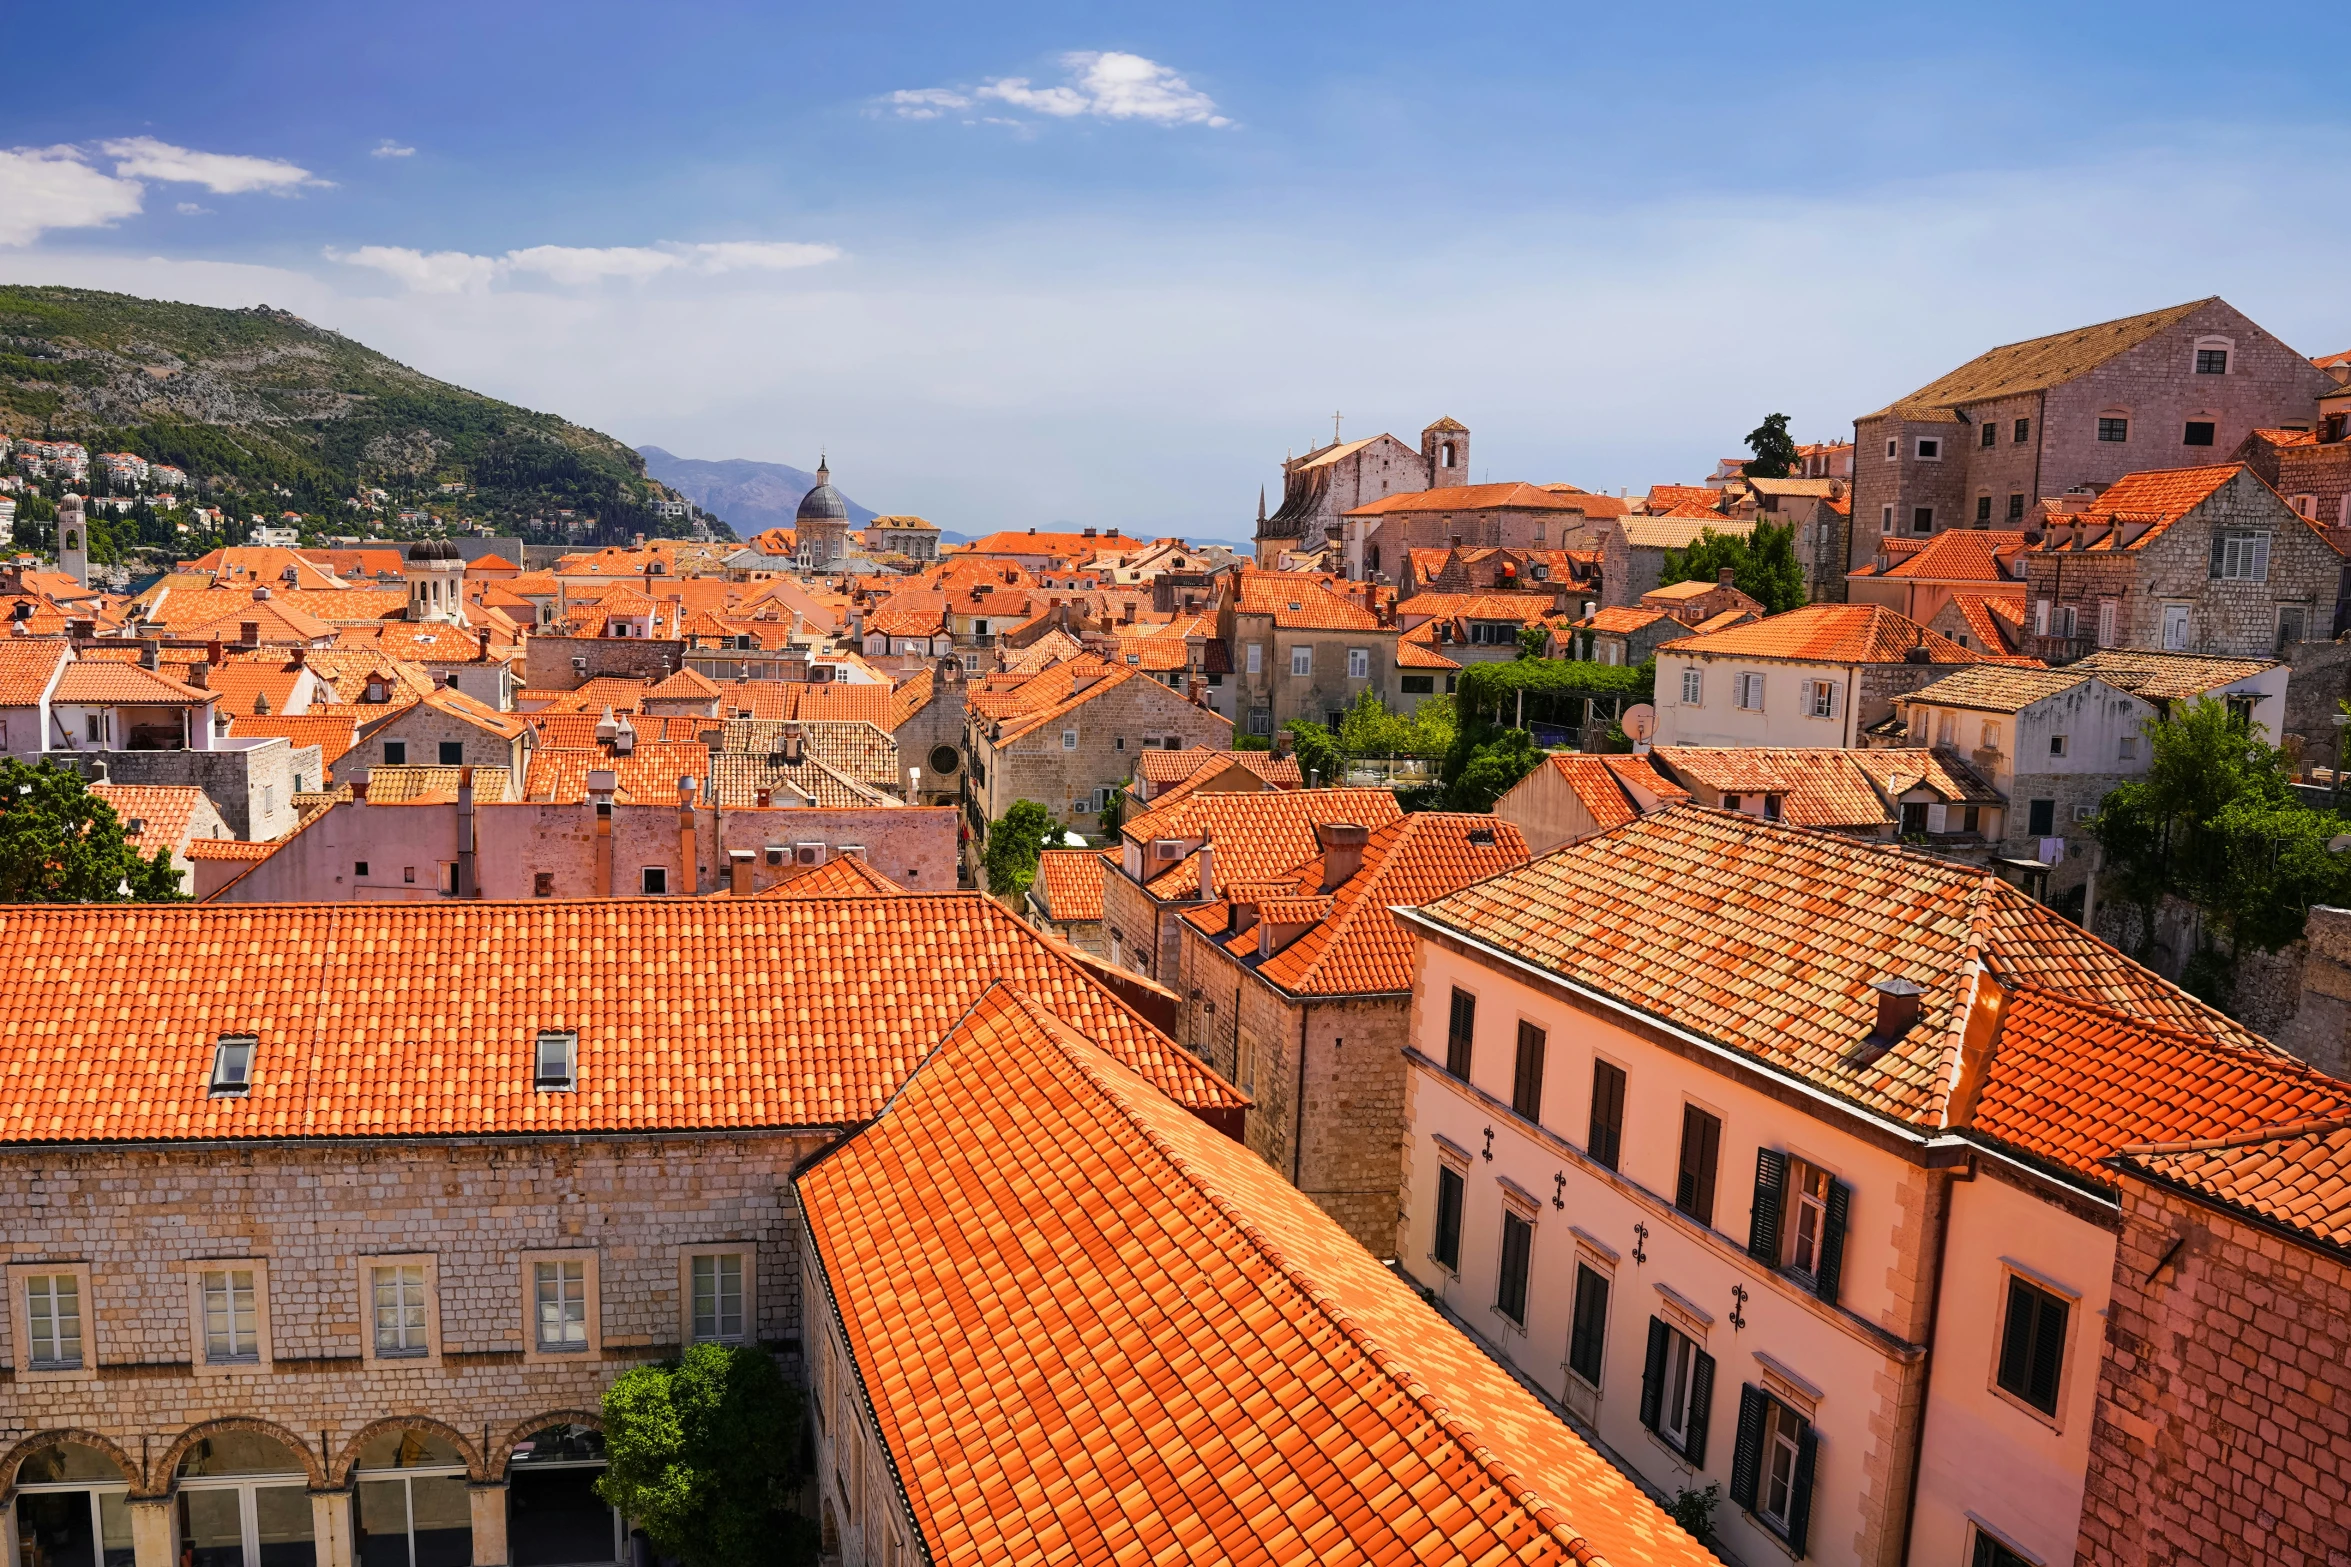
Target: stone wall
<point x="420" y="729"/>
<point x="251" y="785"/>
<point x="2319" y="1026"/>
<point x="1110" y="727"/>
<point x="547" y="661"/>
<point x="2320" y="680"/>
<point x="2223" y="1429"/>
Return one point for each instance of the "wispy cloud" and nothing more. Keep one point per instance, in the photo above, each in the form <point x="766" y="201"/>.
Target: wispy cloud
<point x="222" y="173"/>
<point x="388" y="148"/>
<point x="45" y="188"/>
<point x="454" y="271"/>
<point x="190" y="209"/>
<point x="1100" y="84"/>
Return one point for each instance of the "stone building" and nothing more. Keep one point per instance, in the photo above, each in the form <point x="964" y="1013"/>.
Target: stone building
<point x="1633" y="550"/>
<point x="1066" y="897"/>
<point x="2223" y="1425"/>
<point x="1816" y="676"/>
<point x="165" y="819"/>
<point x="2188" y="560"/>
<point x="445" y="729"/>
<point x="821" y="526"/>
<point x="1303" y="649"/>
<point x="1979" y="447"/>
<point x="282" y="1289"/>
<point x="1381" y="535"/>
<point x="1299" y="990"/>
<point x="1321" y="487"/>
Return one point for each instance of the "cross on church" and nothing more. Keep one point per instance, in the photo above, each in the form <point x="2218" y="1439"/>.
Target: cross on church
<point x="1334" y="427"/>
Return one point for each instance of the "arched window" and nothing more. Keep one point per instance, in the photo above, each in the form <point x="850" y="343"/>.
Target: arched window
<point x="73" y="539"/>
<point x="410" y="1487"/>
<point x="240" y="1485"/>
<point x="2215" y="355"/>
<point x="73" y="1504"/>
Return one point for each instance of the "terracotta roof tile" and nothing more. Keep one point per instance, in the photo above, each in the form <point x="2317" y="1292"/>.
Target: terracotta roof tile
<point x="685" y="684"/>
<point x="1995" y="619"/>
<point x="1597" y="785"/>
<point x="1829" y="634"/>
<point x="1155" y="1349"/>
<point x="403" y="1020"/>
<point x="1681" y="528"/>
<point x="840" y="876"/>
<point x="1996" y="688"/>
<point x="2167" y="677"/>
<point x="1818" y="787"/>
<point x="27" y="666"/>
<point x="420" y="785"/>
<point x="332" y="733"/>
<point x="577" y="731"/>
<point x="106" y="684"/>
<point x="1069" y="881"/>
<point x="648" y="775"/>
<point x="230" y="849"/>
<point x="1256" y="836"/>
<point x="2036" y="364"/>
<point x="1664" y="497"/>
<point x="1489" y="497"/>
<point x="1299" y="601"/>
<point x="1624" y="619"/>
<point x="1961" y="555"/>
<point x="1176" y="766"/>
<point x="162" y="810"/>
<point x="2295" y="1176"/>
<point x="1417" y="649"/>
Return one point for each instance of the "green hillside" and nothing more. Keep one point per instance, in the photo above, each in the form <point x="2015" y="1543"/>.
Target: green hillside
<point x="259" y="403"/>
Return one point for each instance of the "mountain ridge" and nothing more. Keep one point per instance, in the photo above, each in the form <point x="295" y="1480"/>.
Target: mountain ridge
<point x="749" y="495"/>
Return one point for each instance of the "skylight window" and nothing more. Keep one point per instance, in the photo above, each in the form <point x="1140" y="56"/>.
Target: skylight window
<point x="557" y="1069"/>
<point x="232" y="1066"/>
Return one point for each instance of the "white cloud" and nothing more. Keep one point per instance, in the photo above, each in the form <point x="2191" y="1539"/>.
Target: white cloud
<point x="55" y="188"/>
<point x="1105" y="84"/>
<point x="222" y="173"/>
<point x="190" y="209"/>
<point x="388" y="148"/>
<point x="453" y="271"/>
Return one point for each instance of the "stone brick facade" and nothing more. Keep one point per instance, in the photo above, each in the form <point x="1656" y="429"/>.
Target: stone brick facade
<point x="548" y="661"/>
<point x="252" y="785"/>
<point x="2223" y="1431"/>
<point x="417" y="734"/>
<point x="1074" y="781"/>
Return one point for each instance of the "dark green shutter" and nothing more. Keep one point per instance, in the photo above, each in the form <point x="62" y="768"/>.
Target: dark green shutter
<point x="1832" y="1243"/>
<point x="1653" y="1374"/>
<point x="1701" y="1409"/>
<point x="1448" y="1241"/>
<point x="1588" y="1337"/>
<point x="2048" y="1352"/>
<point x="1747" y="1456"/>
<point x="2016" y="1340"/>
<point x="1526" y="1083"/>
<point x="1763" y="1221"/>
<point x="1800" y="1499"/>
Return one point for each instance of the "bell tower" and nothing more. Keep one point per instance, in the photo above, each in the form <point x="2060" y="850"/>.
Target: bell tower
<point x="73" y="540"/>
<point x="1444" y="447"/>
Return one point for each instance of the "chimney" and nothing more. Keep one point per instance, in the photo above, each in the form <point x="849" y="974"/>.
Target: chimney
<point x="200" y="676"/>
<point x="1196" y="688"/>
<point x="1897" y="1010"/>
<point x="482" y="638"/>
<point x="1284" y="743"/>
<point x="624" y="737"/>
<point x="301" y="655"/>
<point x="1722" y="576"/>
<point x="689" y="858"/>
<point x="1207" y="872"/>
<point x="440" y="680"/>
<point x="739" y="863"/>
<point x="465" y="844"/>
<point x="149" y="653"/>
<point x="359" y="789"/>
<point x="792" y="745"/>
<point x="249" y="632"/>
<point x="1342" y="852"/>
<point x="212" y="651"/>
<point x="606" y="729"/>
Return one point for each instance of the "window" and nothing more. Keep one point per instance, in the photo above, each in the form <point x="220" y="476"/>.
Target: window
<point x="1692" y="685"/>
<point x="53" y="1321"/>
<point x="1419" y="685"/>
<point x="1914" y="818"/>
<point x="1885" y="519"/>
<point x="542" y="884"/>
<point x="715" y="1297"/>
<point x="1922" y="519"/>
<point x="1798" y="1220"/>
<point x="2040" y="818"/>
<point x="358" y="868"/>
<point x="653" y="880"/>
<point x="1893" y="449"/>
<point x="1772" y="1466"/>
<point x="2024" y="431"/>
<point x="396" y="1301"/>
<point x="452" y="753"/>
<point x="2106" y="614"/>
<point x="1451" y="1189"/>
<point x="1991" y="1553"/>
<point x="1587" y="1334"/>
<point x="1301" y="661"/>
<point x="230" y="1306"/>
<point x="2032" y="1345"/>
<point x="555" y="1066"/>
<point x="1460" y="1033"/>
<point x="1991" y="432"/>
<point x="2127" y="749"/>
<point x="1605" y="1143"/>
<point x="2113" y="429"/>
<point x="1693" y="1189"/>
<point x="395" y="753"/>
<point x="1930" y="448"/>
<point x="1359" y="663"/>
<point x="1526" y="1077"/>
<point x="232" y="1065"/>
<point x="2198" y="433"/>
<point x="1677" y="1391"/>
<point x="1510" y="1284"/>
<point x="1983" y="505"/>
<point x="1747" y="692"/>
<point x="1256" y="658"/>
<point x="2057" y="745"/>
<point x="2016" y="506"/>
<point x="2292" y="624"/>
<point x="1820" y="698"/>
<point x="2212" y="361"/>
<point x="2239" y="556"/>
<point x="559" y="1299"/>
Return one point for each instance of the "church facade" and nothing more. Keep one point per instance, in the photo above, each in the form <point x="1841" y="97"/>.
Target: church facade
<point x="1321" y="487"/>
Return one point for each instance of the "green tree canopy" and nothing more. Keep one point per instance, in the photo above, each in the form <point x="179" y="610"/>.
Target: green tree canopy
<point x="702" y="1453"/>
<point x="1319" y="756"/>
<point x="59" y="843"/>
<point x="2215" y="822"/>
<point x="1774" y="449"/>
<point x="1489" y="769"/>
<point x="1014" y="843"/>
<point x="1763" y="565"/>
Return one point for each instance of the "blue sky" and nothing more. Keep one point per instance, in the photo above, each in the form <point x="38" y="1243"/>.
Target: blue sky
<point x="1032" y="263"/>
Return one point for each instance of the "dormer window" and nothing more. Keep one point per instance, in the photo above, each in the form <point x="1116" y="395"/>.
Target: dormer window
<point x="232" y="1066"/>
<point x="557" y="1068"/>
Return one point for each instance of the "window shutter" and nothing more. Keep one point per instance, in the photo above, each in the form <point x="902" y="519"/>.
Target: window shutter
<point x="2220" y="545"/>
<point x="2016" y="1341"/>
<point x="1747" y="1456"/>
<point x="1653" y="1374"/>
<point x="2048" y="1352"/>
<point x="1763" y="1225"/>
<point x="1800" y="1498"/>
<point x="1832" y="1243"/>
<point x="1701" y="1407"/>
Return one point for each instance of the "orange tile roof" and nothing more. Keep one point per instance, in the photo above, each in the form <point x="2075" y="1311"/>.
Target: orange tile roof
<point x="613" y="691"/>
<point x="1765" y="939"/>
<point x="1352" y="944"/>
<point x="909" y="697"/>
<point x="1298" y="600"/>
<point x="252" y="687"/>
<point x="186" y="606"/>
<point x="2168" y="677"/>
<point x="403" y="1020"/>
<point x="163" y="810"/>
<point x="1070" y="882"/>
<point x="2159" y="497"/>
<point x="456" y="704"/>
<point x="27" y="666"/>
<point x="840" y="876"/>
<point x="1595" y="784"/>
<point x="1961" y="555"/>
<point x="1897" y="770"/>
<point x="648" y="775"/>
<point x="1256" y="836"/>
<point x="427" y="642"/>
<point x="1817" y="787"/>
<point x="332" y="733"/>
<point x="431" y="785"/>
<point x="1090" y="1329"/>
<point x="1995" y="619"/>
<point x="98" y="684"/>
<point x="1680" y="528"/>
<point x="1623" y="619"/>
<point x="1996" y="688"/>
<point x="1526" y="608"/>
<point x="1033" y="542"/>
<point x="1486" y="497"/>
<point x="2297" y="1177"/>
<point x="1636" y="773"/>
<point x="2072" y="1083"/>
<point x="577" y="731"/>
<point x="1828" y="634"/>
<point x="1664" y="497"/>
<point x="685" y="684"/>
<point x="1177" y="766"/>
<point x="1417" y="649"/>
<point x="272" y="621"/>
<point x="236" y="849"/>
<point x="1054" y="647"/>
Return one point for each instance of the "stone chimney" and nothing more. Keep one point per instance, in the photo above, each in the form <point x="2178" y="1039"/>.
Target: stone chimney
<point x="1722" y="576"/>
<point x="1342" y="852"/>
<point x="606" y="729"/>
<point x="1207" y="872"/>
<point x="793" y="750"/>
<point x="359" y="789"/>
<point x="200" y="676"/>
<point x="624" y="737"/>
<point x="1897" y="1010"/>
<point x="212" y="651"/>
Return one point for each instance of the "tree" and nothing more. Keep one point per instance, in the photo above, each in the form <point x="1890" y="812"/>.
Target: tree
<point x="1319" y="756"/>
<point x="1774" y="449"/>
<point x="1492" y="768"/>
<point x="1369" y="729"/>
<point x="1014" y="843"/>
<point x="59" y="843"/>
<point x="1763" y="565"/>
<point x="1534" y="639"/>
<point x="702" y="1452"/>
<point x="2215" y="822"/>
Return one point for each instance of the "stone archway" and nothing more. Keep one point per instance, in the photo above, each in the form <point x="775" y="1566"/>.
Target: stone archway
<point x="167" y="1467"/>
<point x="497" y="1459"/>
<point x="17" y="1454"/>
<point x="476" y="1462"/>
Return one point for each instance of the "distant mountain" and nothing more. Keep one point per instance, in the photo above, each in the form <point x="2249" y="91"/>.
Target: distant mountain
<point x="750" y="496"/>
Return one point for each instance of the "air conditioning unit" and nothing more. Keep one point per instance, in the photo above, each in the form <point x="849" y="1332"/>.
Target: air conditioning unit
<point x="808" y="854"/>
<point x="775" y="854"/>
<point x="1167" y="850"/>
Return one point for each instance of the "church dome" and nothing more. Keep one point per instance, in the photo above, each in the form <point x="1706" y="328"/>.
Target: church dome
<point x="824" y="503"/>
<point x="433" y="549"/>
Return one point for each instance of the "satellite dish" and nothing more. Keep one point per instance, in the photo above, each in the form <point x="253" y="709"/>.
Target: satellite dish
<point x="1640" y="722"/>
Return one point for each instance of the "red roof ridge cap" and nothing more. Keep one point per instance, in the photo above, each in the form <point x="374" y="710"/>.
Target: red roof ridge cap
<point x="1547" y="1515"/>
<point x="2249" y="1137"/>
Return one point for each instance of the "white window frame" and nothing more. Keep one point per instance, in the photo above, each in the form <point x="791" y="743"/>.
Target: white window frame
<point x="1693" y="688"/>
<point x="20" y="1327"/>
<point x="1301" y="661"/>
<point x="1820" y="699"/>
<point x="745" y="1255"/>
<point x="2240" y="555"/>
<point x="1744" y="683"/>
<point x="232" y="1066"/>
<point x="1807" y="1200"/>
<point x="1886" y="521"/>
<point x="1780" y="1444"/>
<point x="592" y="1314"/>
<point x="2106" y="619"/>
<point x="430" y="1353"/>
<point x="2059" y="746"/>
<point x="1359" y="663"/>
<point x="567" y="1040"/>
<point x="1069" y="739"/>
<point x="1256" y="658"/>
<point x="1673" y="1404"/>
<point x="201" y="1362"/>
<point x="1928" y="448"/>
